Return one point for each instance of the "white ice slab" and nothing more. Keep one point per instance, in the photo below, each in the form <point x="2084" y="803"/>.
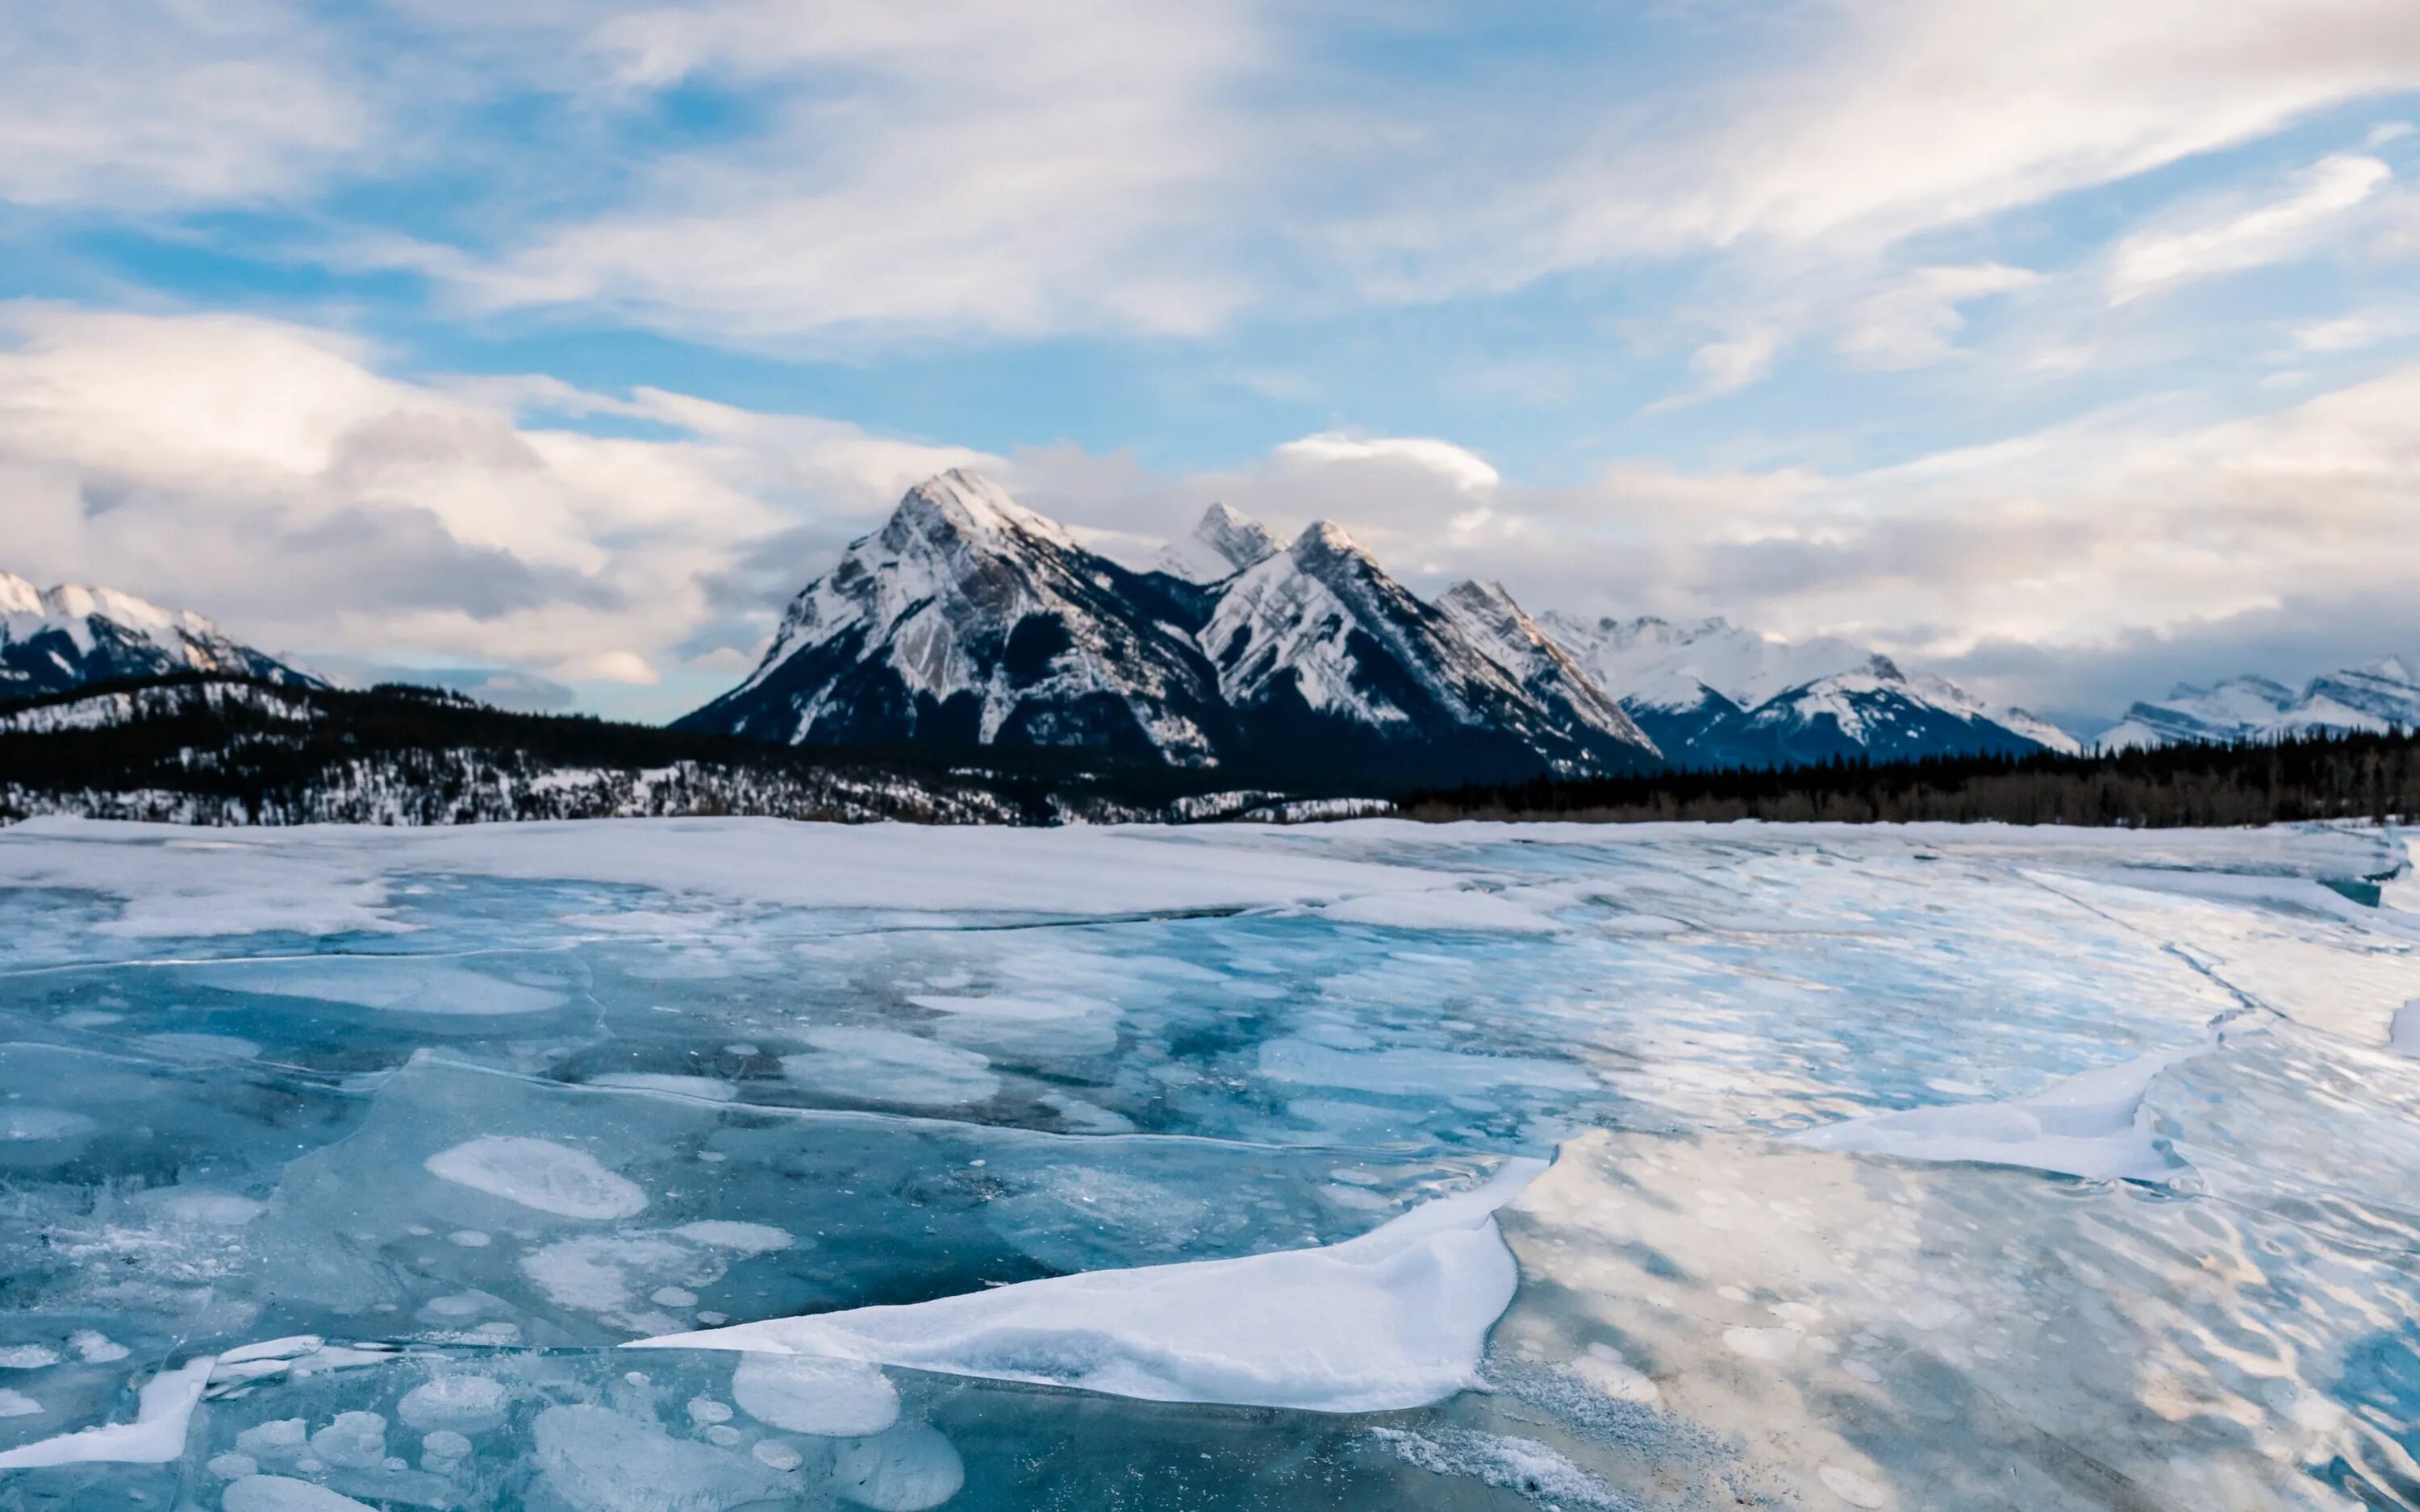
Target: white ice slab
<point x="1394" y="1319"/>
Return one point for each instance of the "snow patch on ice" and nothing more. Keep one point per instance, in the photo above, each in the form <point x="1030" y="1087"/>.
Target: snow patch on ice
<point x="1396" y="1318"/>
<point x="2093" y="1126"/>
<point x="164" y="1408"/>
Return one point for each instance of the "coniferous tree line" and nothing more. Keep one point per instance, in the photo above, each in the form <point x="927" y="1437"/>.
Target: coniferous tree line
<point x="2315" y="777"/>
<point x="222" y="750"/>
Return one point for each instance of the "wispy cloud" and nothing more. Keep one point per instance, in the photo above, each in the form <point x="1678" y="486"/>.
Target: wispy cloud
<point x="2228" y="237"/>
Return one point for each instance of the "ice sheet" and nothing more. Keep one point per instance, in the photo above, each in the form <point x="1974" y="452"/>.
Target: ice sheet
<point x="376" y="1118"/>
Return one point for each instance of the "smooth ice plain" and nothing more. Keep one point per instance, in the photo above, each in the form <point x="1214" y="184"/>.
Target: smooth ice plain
<point x="701" y="1165"/>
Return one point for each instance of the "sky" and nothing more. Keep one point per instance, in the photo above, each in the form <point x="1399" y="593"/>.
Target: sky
<point x="2067" y="348"/>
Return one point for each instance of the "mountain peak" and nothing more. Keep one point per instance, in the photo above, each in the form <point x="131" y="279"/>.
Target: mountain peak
<point x="1223" y="544"/>
<point x="1324" y="539"/>
<point x="973" y="506"/>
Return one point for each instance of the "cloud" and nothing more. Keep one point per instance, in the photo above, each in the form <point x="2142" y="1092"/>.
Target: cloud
<point x="270" y="475"/>
<point x="1457" y="465"/>
<point x="2232" y="237"/>
<point x="965" y="166"/>
<point x="145" y="104"/>
<point x="1915" y="322"/>
<point x="1842" y="128"/>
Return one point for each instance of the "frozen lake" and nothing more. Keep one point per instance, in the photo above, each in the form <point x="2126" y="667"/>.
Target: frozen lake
<point x="1352" y="1165"/>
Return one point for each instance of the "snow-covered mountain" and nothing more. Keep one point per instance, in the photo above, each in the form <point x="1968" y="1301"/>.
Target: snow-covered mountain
<point x="1713" y="694"/>
<point x="2377" y="696"/>
<point x="1319" y="649"/>
<point x="1222" y="545"/>
<point x="970" y="620"/>
<point x="56" y="639"/>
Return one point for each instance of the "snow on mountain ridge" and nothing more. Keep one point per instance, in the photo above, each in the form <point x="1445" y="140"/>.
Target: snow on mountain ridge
<point x="56" y="639"/>
<point x="2377" y="696"/>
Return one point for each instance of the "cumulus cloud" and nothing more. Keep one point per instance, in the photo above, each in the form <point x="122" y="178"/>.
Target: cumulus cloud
<point x="271" y="476"/>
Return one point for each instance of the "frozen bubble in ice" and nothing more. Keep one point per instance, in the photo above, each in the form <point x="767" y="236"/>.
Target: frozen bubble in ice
<point x="598" y="1461"/>
<point x="1768" y="1344"/>
<point x="278" y="1493"/>
<point x="210" y="1209"/>
<point x="443" y="1451"/>
<point x="1607" y="1374"/>
<point x="356" y="1440"/>
<point x="834" y="1398"/>
<point x="17" y="1404"/>
<point x="1852" y="1488"/>
<point x="723" y="1233"/>
<point x="779" y="1455"/>
<point x="39" y="1125"/>
<point x="705" y="1409"/>
<point x="723" y="1434"/>
<point x="905" y="1470"/>
<point x="673" y="1297"/>
<point x="539" y="1174"/>
<point x="27" y="1357"/>
<point x="467" y="1404"/>
<point x="232" y="1466"/>
<point x="470" y="1238"/>
<point x="278" y="1438"/>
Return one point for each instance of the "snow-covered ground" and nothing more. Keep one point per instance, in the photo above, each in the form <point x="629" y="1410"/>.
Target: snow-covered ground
<point x="711" y="1165"/>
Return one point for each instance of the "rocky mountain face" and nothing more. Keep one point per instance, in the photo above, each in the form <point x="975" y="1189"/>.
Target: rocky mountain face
<point x="2377" y="696"/>
<point x="53" y="639"/>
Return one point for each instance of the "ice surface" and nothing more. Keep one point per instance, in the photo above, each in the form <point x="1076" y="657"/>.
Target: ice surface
<point x="1894" y="1167"/>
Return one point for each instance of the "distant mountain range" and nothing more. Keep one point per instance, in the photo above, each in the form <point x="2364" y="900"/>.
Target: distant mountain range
<point x="2377" y="696"/>
<point x="56" y="639"/>
<point x="968" y="621"/>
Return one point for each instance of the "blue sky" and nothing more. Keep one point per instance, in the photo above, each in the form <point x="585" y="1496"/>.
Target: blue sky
<point x="2062" y="348"/>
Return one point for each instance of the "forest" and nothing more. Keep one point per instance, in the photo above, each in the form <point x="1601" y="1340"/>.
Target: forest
<point x="2320" y="776"/>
